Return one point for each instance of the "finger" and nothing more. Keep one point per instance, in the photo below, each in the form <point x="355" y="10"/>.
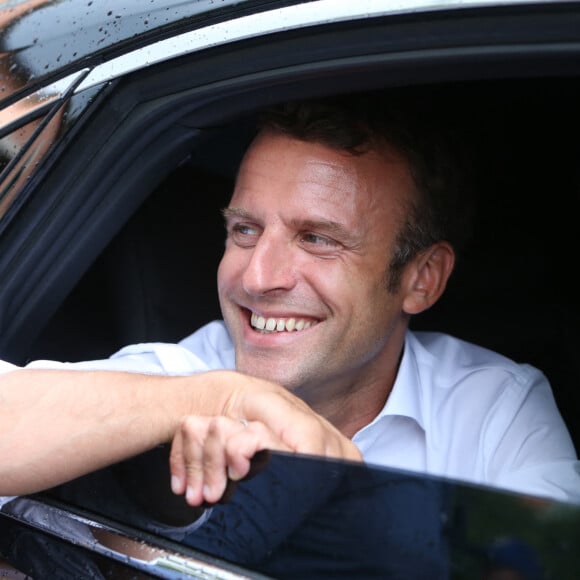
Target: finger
<point x="257" y="464"/>
<point x="245" y="444"/>
<point x="177" y="465"/>
<point x="193" y="432"/>
<point x="220" y="430"/>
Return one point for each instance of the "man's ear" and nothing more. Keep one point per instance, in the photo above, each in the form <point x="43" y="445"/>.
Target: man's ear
<point x="425" y="279"/>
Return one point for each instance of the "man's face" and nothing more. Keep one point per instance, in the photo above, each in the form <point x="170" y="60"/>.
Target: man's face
<point x="310" y="232"/>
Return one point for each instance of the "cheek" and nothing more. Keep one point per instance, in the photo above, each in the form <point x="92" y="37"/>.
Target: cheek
<point x="358" y="281"/>
<point x="373" y="303"/>
<point x="221" y="274"/>
<point x="335" y="284"/>
<point x="226" y="277"/>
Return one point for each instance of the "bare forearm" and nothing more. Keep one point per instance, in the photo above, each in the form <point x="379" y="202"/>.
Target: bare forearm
<point x="56" y="425"/>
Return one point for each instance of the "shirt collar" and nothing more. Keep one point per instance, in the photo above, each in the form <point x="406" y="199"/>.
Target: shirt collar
<point x="406" y="396"/>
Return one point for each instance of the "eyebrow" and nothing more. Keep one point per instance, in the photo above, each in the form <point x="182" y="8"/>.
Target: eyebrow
<point x="327" y="225"/>
<point x="236" y="212"/>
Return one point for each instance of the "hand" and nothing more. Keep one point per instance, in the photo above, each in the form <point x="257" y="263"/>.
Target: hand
<point x="206" y="450"/>
<point x="208" y="453"/>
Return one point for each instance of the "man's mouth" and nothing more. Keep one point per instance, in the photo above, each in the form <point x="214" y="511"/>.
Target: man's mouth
<point x="291" y="324"/>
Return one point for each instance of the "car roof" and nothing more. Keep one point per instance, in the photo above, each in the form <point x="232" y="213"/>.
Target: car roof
<point x="46" y="40"/>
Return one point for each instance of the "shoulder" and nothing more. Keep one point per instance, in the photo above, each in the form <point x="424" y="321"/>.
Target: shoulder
<point x="484" y="386"/>
<point x="481" y="391"/>
<point x="213" y="344"/>
<point x="209" y="348"/>
<point x="496" y="419"/>
<point x="450" y="361"/>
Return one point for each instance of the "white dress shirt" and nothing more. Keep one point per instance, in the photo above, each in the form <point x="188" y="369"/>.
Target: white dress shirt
<point x="456" y="410"/>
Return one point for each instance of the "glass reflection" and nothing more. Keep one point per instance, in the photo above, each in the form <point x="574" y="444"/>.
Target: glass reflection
<point x="27" y="552"/>
<point x="308" y="518"/>
<point x="33" y="124"/>
<point x="24" y="149"/>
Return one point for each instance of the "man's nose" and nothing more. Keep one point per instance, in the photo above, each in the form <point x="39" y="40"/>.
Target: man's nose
<point x="270" y="267"/>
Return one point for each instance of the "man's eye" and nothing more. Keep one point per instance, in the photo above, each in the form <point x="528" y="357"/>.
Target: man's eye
<point x="318" y="241"/>
<point x="244" y="234"/>
<point x="244" y="229"/>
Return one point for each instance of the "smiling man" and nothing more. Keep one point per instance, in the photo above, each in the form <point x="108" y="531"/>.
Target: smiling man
<point x="303" y="283"/>
<point x="344" y="223"/>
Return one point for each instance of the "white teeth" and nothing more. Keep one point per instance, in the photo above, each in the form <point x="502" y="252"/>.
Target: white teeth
<point x="279" y="324"/>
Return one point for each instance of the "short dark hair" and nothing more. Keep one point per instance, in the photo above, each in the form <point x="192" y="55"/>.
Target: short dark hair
<point x="443" y="206"/>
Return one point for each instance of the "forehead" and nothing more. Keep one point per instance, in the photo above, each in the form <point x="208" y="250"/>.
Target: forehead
<point x="312" y="176"/>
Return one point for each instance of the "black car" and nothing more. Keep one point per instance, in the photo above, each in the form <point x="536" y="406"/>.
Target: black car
<point x="121" y="128"/>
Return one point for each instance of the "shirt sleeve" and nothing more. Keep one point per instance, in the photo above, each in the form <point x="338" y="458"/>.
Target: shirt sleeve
<point x="147" y="358"/>
<point x="209" y="348"/>
<point x="6" y="367"/>
<point x="145" y="361"/>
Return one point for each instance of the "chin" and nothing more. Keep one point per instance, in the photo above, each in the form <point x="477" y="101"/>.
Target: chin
<point x="268" y="374"/>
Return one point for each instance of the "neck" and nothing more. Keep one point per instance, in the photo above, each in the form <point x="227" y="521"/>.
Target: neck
<point x="357" y="401"/>
<point x="358" y="408"/>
